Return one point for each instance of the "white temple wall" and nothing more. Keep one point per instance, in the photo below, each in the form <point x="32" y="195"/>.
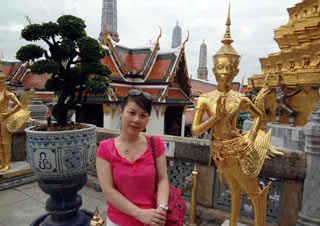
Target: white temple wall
<point x="156" y="121"/>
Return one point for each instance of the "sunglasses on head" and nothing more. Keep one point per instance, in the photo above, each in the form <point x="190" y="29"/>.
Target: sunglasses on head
<point x="135" y="93"/>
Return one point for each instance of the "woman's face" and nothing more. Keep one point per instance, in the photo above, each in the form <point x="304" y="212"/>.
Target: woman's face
<point x="134" y="118"/>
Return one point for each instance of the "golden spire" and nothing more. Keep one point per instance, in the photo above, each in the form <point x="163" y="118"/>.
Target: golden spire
<point x="159" y="36"/>
<point x="187" y="39"/>
<point x="227" y="49"/>
<point x="227" y="40"/>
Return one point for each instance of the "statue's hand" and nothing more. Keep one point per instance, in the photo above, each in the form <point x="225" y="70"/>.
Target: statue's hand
<point x="212" y="120"/>
<point x="221" y="108"/>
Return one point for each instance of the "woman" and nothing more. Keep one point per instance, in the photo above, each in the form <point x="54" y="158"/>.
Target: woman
<point x="126" y="172"/>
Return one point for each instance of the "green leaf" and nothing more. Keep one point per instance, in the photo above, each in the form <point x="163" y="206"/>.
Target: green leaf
<point x="90" y="49"/>
<point x="29" y="52"/>
<point x="71" y="27"/>
<point x="32" y="32"/>
<point x="45" y="66"/>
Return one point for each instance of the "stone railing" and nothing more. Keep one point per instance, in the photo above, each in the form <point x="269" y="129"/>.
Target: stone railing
<point x="287" y="173"/>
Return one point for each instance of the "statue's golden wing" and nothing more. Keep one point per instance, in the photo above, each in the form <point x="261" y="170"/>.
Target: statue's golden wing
<point x="15" y="121"/>
<point x="255" y="153"/>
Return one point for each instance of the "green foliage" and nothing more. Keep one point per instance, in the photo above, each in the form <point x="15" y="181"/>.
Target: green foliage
<point x="29" y="52"/>
<point x="45" y="66"/>
<point x="71" y="27"/>
<point x="72" y="58"/>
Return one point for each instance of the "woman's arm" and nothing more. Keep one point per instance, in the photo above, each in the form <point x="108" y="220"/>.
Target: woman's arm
<point x="119" y="201"/>
<point x="197" y="127"/>
<point x="163" y="184"/>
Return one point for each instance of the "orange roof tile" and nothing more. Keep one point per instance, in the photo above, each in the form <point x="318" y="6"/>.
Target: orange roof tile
<point x="159" y="69"/>
<point x="133" y="61"/>
<point x="35" y="81"/>
<point x="203" y="87"/>
<point x="175" y="94"/>
<point x="8" y="69"/>
<point x="107" y="61"/>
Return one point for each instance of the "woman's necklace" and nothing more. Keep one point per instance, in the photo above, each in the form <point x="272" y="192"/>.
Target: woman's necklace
<point x="126" y="151"/>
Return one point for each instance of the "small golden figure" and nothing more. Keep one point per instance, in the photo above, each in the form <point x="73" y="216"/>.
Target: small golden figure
<point x="10" y="119"/>
<point x="238" y="157"/>
<point x="96" y="219"/>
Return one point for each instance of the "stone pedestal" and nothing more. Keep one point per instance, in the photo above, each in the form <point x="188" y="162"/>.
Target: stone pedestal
<point x="283" y="136"/>
<point x="63" y="204"/>
<point x="310" y="211"/>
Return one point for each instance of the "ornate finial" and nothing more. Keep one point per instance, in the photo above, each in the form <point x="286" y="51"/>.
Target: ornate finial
<point x="227" y="40"/>
<point x="159" y="35"/>
<point x="227" y="49"/>
<point x="96" y="219"/>
<point x="177" y="22"/>
<point x="187" y="39"/>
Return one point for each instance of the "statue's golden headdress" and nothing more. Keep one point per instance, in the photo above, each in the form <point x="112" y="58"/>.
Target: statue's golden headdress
<point x="227" y="50"/>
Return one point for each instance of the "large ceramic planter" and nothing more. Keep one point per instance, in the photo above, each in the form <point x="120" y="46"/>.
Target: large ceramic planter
<point x="61" y="155"/>
<point x="60" y="160"/>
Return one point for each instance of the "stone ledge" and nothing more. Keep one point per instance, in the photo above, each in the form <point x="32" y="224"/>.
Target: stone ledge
<point x="292" y="165"/>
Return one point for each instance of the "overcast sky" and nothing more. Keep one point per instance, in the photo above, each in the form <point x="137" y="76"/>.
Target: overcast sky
<point x="253" y="22"/>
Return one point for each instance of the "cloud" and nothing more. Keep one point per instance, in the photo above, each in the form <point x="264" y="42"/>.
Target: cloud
<point x="13" y="27"/>
<point x="252" y="26"/>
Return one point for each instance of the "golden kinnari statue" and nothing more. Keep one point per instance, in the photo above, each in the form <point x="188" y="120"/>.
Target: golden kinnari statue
<point x="11" y="119"/>
<point x="238" y="157"/>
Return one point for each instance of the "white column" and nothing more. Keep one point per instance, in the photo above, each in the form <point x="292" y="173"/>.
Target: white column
<point x="183" y="123"/>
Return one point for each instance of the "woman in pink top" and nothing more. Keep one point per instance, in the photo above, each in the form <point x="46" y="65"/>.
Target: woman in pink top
<point x="125" y="168"/>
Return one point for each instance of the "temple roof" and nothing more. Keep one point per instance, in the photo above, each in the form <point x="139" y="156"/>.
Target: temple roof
<point x="163" y="72"/>
<point x="175" y="96"/>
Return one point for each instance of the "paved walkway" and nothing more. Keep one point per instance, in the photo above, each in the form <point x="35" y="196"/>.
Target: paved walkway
<point x="22" y="201"/>
<point x="20" y="205"/>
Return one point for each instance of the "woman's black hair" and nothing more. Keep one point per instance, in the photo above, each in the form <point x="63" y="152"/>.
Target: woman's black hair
<point x="141" y="100"/>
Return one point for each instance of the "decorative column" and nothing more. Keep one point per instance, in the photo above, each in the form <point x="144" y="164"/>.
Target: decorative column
<point x="310" y="211"/>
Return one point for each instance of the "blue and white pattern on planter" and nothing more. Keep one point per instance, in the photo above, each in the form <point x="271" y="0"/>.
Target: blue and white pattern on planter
<point x="72" y="158"/>
<point x="61" y="155"/>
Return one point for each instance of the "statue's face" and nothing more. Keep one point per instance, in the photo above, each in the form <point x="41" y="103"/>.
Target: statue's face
<point x="224" y="70"/>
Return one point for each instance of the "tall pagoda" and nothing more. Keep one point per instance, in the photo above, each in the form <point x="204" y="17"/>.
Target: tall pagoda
<point x="202" y="72"/>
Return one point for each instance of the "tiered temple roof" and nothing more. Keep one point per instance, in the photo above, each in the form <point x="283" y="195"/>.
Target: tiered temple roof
<point x="163" y="74"/>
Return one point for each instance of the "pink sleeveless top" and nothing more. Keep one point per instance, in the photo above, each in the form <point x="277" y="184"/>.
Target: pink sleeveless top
<point x="135" y="180"/>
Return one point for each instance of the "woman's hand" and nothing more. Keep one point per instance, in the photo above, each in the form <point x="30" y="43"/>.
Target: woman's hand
<point x="152" y="217"/>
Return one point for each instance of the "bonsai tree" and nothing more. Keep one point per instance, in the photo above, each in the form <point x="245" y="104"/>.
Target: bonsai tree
<point x="73" y="59"/>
